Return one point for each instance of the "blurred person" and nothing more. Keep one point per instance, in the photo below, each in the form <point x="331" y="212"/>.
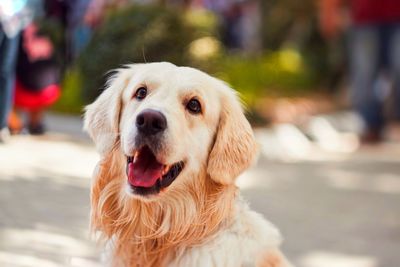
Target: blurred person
<point x="231" y="26"/>
<point x="14" y="16"/>
<point x="79" y="18"/>
<point x="8" y="53"/>
<point x="240" y="22"/>
<point x="251" y="26"/>
<point x="38" y="73"/>
<point x="230" y="14"/>
<point x="70" y="14"/>
<point x="78" y="32"/>
<point x="374" y="48"/>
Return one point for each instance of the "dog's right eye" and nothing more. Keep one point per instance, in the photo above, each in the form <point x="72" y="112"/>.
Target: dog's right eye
<point x="194" y="106"/>
<point x="141" y="93"/>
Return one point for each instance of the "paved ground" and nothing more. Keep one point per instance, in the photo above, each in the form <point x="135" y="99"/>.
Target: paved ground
<point x="335" y="209"/>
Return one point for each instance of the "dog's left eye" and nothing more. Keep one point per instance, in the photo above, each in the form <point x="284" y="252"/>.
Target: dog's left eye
<point x="141" y="93"/>
<point x="194" y="106"/>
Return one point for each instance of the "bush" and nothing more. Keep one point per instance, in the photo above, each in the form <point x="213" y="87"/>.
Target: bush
<point x="71" y="100"/>
<point x="295" y="23"/>
<point x="132" y="35"/>
<point x="281" y="73"/>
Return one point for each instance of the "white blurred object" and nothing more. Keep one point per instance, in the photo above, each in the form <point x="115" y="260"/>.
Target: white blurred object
<point x="293" y="140"/>
<point x="4" y="135"/>
<point x="346" y="121"/>
<point x="320" y="137"/>
<point x="330" y="139"/>
<point x="284" y="142"/>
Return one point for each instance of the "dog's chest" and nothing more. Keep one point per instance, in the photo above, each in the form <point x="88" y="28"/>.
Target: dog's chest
<point x="240" y="245"/>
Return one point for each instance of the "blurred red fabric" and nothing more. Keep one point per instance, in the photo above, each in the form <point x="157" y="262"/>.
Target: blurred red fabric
<point x="375" y="11"/>
<point x="28" y="100"/>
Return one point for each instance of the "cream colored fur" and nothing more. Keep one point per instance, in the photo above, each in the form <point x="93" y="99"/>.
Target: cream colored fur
<point x="199" y="220"/>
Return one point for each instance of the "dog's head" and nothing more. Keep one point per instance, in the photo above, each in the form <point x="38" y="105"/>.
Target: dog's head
<point x="170" y="123"/>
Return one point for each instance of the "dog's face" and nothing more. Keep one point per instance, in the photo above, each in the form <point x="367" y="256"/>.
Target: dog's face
<point x="167" y="124"/>
<point x="172" y="123"/>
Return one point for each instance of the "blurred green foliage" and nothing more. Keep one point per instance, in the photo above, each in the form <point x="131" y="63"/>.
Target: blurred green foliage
<point x="295" y="24"/>
<point x="280" y="73"/>
<point x="133" y="34"/>
<point x="287" y="21"/>
<point x="71" y="100"/>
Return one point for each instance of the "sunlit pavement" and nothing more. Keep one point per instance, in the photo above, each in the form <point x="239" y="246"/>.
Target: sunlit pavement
<point x="335" y="208"/>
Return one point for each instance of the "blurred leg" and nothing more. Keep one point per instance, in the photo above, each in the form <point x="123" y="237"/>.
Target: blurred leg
<point x="394" y="54"/>
<point x="14" y="122"/>
<point x="364" y="69"/>
<point x="35" y="124"/>
<point x="8" y="57"/>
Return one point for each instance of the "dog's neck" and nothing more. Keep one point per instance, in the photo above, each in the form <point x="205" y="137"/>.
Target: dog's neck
<point x="152" y="233"/>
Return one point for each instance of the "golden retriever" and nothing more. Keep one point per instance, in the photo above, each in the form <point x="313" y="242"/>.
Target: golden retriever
<point x="172" y="140"/>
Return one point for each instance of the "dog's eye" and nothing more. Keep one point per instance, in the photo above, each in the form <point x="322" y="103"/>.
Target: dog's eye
<point x="141" y="93"/>
<point x="194" y="106"/>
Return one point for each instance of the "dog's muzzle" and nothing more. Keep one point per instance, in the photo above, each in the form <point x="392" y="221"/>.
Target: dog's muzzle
<point x="146" y="175"/>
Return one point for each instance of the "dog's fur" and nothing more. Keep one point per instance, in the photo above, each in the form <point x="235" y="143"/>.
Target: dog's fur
<point x="199" y="220"/>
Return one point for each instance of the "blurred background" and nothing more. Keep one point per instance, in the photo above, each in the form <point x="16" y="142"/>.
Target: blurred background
<point x="320" y="79"/>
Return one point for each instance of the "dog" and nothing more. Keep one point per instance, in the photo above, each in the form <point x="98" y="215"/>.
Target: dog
<point x="172" y="141"/>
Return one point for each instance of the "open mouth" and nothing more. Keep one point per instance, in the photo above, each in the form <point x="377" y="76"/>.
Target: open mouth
<point x="148" y="176"/>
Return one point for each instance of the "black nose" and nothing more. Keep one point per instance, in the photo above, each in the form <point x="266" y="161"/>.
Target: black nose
<point x="151" y="122"/>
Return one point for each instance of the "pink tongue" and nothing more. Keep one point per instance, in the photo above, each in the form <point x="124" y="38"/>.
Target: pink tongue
<point x="145" y="171"/>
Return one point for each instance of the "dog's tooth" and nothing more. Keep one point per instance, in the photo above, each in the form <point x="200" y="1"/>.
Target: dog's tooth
<point x="135" y="156"/>
<point x="165" y="170"/>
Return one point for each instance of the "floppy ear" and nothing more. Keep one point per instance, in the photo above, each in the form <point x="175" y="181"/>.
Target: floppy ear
<point x="102" y="117"/>
<point x="235" y="148"/>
